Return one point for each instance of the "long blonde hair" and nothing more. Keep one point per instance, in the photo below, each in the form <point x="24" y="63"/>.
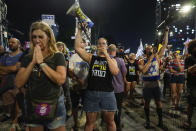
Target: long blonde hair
<point x="40" y="25"/>
<point x="65" y="50"/>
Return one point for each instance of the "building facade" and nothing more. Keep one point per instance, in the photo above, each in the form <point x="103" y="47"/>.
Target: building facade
<point x="182" y="27"/>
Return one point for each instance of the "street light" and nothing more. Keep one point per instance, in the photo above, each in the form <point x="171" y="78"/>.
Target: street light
<point x="174" y="14"/>
<point x="186" y="8"/>
<point x="159" y="33"/>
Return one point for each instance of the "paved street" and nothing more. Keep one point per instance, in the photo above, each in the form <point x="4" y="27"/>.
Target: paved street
<point x="133" y="116"/>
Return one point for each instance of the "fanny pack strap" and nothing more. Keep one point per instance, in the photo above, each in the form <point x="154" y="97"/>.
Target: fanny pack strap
<point x="29" y="91"/>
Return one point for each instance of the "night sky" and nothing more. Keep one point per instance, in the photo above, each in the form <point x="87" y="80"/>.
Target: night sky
<point x="122" y="21"/>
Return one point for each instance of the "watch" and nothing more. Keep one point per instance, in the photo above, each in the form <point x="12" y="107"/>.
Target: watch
<point x="42" y="64"/>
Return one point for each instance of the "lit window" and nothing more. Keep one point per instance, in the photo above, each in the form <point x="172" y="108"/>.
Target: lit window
<point x="171" y="34"/>
<point x="178" y="5"/>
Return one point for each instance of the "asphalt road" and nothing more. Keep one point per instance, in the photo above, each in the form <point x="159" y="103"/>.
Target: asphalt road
<point x="133" y="116"/>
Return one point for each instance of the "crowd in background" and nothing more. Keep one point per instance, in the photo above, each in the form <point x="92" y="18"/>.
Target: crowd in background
<point x="49" y="77"/>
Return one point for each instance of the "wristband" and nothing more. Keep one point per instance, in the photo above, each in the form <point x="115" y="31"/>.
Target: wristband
<point x="42" y="64"/>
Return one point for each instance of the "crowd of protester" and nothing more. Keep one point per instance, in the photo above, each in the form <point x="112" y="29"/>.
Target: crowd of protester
<point x="46" y="85"/>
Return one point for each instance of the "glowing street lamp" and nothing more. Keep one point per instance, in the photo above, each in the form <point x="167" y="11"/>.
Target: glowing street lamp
<point x="186" y="8"/>
<point x="159" y="33"/>
<point x="175" y="14"/>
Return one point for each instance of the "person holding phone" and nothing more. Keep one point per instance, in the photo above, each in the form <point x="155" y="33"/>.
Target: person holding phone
<point x="150" y="70"/>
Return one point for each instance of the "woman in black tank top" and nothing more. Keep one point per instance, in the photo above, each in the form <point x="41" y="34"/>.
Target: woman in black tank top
<point x="100" y="77"/>
<point x="99" y="92"/>
<point x="132" y="74"/>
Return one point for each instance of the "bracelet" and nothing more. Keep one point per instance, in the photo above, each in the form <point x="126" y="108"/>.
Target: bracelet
<point x="42" y="64"/>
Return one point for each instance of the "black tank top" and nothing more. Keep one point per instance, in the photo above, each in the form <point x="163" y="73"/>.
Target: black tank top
<point x="132" y="68"/>
<point x="100" y="77"/>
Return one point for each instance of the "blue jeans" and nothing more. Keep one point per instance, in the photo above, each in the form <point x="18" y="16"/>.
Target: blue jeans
<point x="60" y="117"/>
<point x="94" y="101"/>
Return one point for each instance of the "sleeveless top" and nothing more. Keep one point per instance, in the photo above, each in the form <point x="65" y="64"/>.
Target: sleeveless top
<point x="132" y="68"/>
<point x="153" y="71"/>
<point x="100" y="77"/>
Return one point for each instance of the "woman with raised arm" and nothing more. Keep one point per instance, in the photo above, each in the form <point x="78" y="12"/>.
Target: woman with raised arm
<point x="99" y="94"/>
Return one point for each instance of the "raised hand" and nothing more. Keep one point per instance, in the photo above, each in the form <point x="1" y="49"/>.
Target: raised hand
<point x="166" y="28"/>
<point x="152" y="56"/>
<point x="82" y="26"/>
<point x="103" y="50"/>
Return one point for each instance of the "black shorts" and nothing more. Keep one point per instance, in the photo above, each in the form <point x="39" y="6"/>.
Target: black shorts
<point x="167" y="78"/>
<point x="131" y="78"/>
<point x="152" y="90"/>
<point x="179" y="79"/>
<point x="152" y="93"/>
<point x="76" y="96"/>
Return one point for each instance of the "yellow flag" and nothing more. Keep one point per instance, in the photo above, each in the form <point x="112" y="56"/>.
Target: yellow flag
<point x="160" y="45"/>
<point x="178" y="51"/>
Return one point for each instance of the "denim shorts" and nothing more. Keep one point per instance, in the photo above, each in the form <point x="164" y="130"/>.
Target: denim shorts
<point x="60" y="117"/>
<point x="94" y="101"/>
<point x="179" y="79"/>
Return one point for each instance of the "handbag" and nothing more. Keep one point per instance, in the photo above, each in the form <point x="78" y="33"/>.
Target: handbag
<point x="41" y="111"/>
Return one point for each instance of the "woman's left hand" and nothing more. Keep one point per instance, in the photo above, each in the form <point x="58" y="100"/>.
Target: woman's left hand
<point x="103" y="50"/>
<point x="38" y="54"/>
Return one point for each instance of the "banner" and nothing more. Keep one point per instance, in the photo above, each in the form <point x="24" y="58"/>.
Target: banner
<point x="49" y="19"/>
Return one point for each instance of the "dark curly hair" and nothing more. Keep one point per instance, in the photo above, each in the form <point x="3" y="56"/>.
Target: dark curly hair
<point x="191" y="46"/>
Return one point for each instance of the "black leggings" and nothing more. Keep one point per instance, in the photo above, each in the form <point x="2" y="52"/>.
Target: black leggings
<point x="119" y="100"/>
